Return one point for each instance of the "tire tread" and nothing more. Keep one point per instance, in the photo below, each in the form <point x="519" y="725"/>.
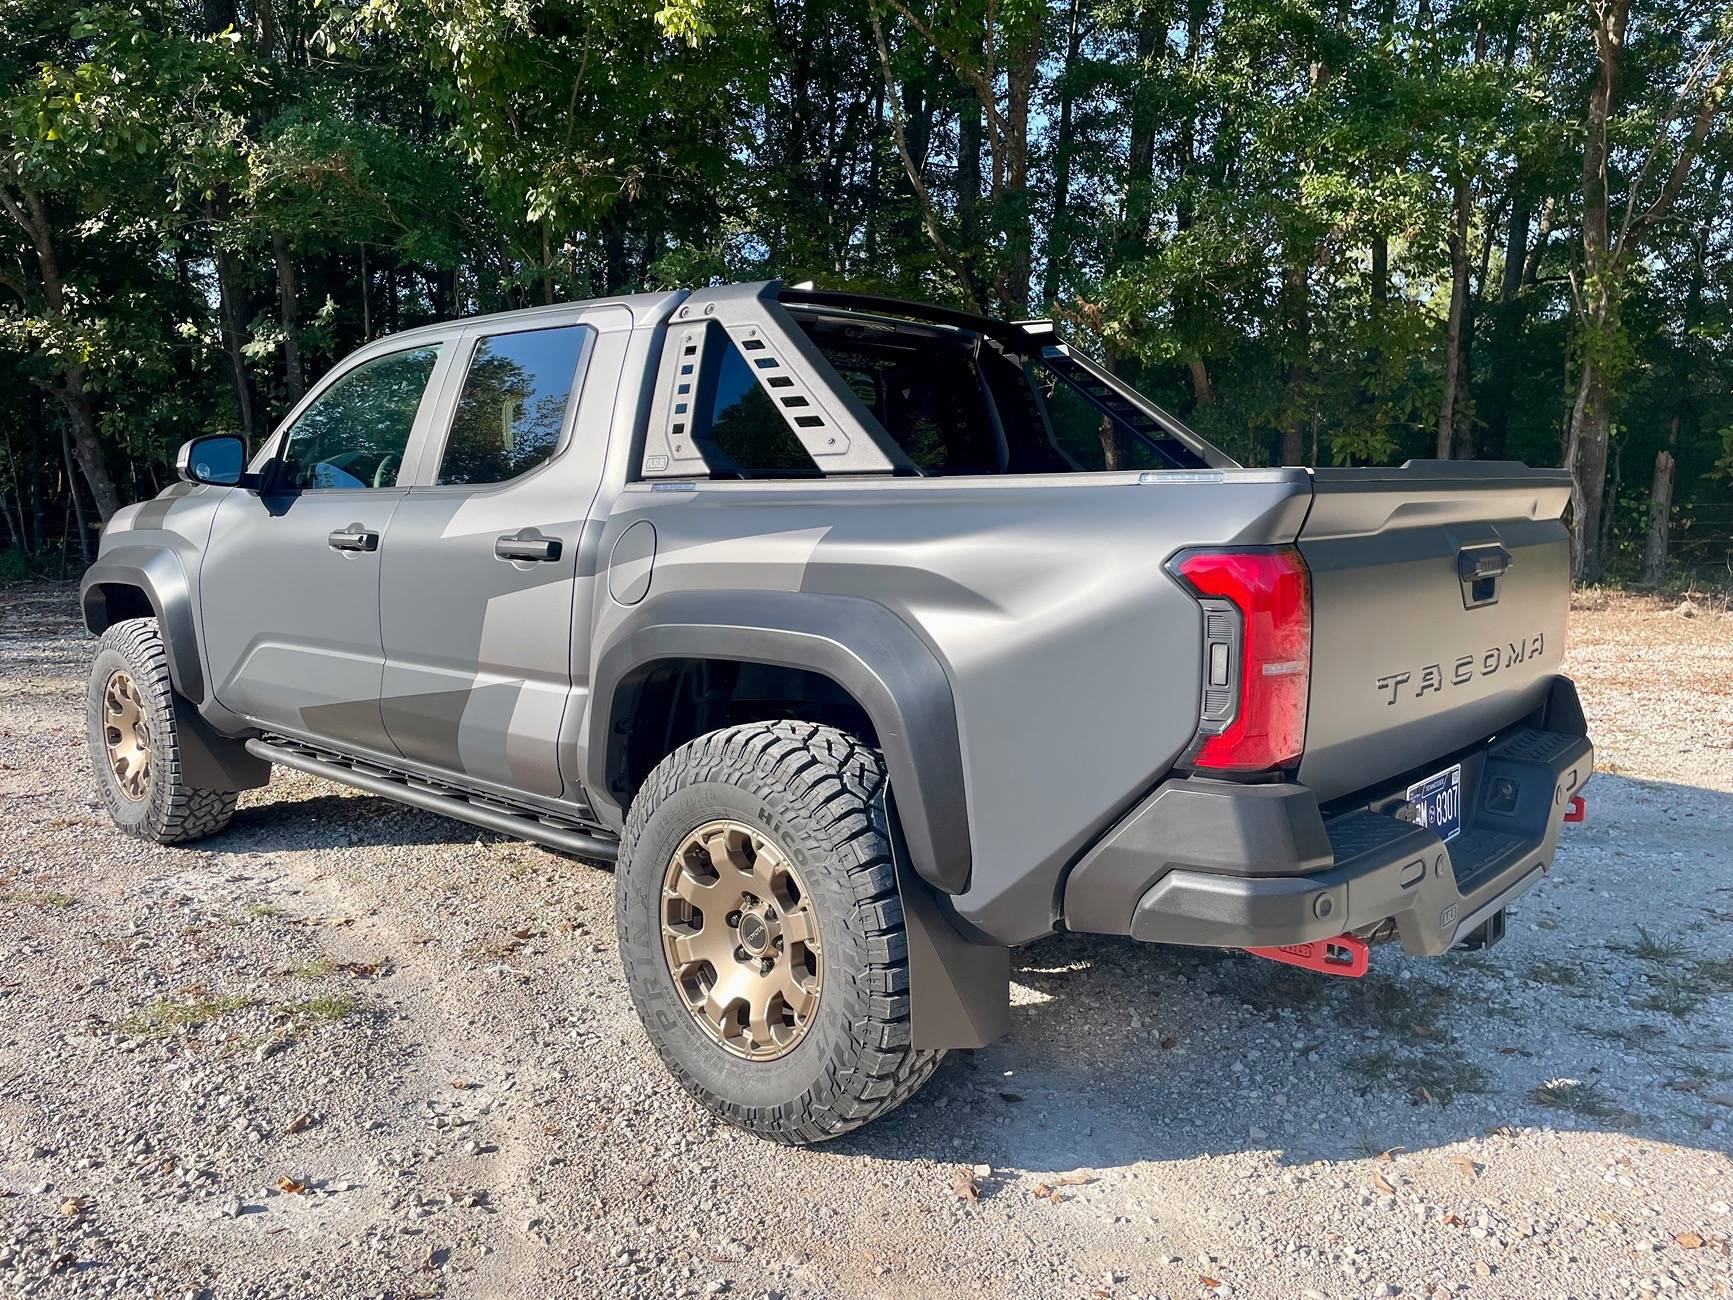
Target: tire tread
<point x="178" y="812"/>
<point x="836" y="783"/>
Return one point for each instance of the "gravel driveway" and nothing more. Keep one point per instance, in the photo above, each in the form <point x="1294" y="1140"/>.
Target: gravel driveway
<point x="347" y="1049"/>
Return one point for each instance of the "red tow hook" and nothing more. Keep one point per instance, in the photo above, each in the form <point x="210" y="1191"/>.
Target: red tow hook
<point x="1343" y="955"/>
<point x="1577" y="810"/>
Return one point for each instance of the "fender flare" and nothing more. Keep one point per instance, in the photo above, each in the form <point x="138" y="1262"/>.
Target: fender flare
<point x="860" y="645"/>
<point x="158" y="573"/>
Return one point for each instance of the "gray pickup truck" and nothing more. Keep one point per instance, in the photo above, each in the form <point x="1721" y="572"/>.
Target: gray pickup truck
<point x="869" y="639"/>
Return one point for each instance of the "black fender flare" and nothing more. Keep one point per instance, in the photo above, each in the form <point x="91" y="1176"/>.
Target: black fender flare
<point x="860" y="645"/>
<point x="159" y="574"/>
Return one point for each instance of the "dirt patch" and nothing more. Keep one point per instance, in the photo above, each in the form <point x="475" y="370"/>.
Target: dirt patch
<point x="1656" y="678"/>
<point x="348" y="1049"/>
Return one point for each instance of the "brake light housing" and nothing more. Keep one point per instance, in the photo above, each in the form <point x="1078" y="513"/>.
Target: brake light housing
<point x="1257" y="656"/>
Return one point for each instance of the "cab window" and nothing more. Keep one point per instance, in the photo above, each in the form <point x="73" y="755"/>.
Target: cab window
<point x="354" y="433"/>
<point x="513" y="406"/>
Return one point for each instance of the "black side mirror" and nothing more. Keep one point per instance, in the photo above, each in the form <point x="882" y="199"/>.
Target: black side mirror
<point x="217" y="458"/>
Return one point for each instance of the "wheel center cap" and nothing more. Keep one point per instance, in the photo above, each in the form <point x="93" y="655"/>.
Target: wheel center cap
<point x="754" y="934"/>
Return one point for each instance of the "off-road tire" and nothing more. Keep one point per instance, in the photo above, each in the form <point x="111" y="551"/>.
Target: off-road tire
<point x="818" y="793"/>
<point x="171" y="811"/>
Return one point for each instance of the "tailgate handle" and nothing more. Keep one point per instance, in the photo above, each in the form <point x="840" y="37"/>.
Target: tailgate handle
<point x="1480" y="568"/>
<point x="1489" y="562"/>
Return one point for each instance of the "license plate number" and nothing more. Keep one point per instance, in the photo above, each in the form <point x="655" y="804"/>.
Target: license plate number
<point x="1439" y="799"/>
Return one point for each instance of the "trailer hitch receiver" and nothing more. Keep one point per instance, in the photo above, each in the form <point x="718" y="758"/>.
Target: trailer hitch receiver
<point x="1343" y="955"/>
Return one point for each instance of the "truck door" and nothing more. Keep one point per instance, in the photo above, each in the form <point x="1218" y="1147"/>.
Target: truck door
<point x="476" y="601"/>
<point x="290" y="579"/>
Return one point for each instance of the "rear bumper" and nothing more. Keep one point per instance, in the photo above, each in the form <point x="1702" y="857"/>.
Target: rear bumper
<point x="1215" y="864"/>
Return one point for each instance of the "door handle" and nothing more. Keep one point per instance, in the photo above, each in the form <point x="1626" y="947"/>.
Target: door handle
<point x="353" y="538"/>
<point x="512" y="547"/>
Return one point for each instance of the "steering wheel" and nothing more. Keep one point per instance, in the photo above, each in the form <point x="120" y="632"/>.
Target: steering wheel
<point x="387" y="471"/>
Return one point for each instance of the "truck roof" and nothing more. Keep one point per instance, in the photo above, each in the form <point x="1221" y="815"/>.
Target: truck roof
<point x="649" y="308"/>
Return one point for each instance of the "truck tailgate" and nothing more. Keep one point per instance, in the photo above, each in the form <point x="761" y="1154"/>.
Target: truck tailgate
<point x="1439" y="596"/>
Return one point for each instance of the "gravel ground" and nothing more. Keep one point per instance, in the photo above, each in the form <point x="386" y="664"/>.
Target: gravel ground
<point x="349" y="1049"/>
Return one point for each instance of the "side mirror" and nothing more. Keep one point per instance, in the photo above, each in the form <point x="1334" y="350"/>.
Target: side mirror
<point x="216" y="458"/>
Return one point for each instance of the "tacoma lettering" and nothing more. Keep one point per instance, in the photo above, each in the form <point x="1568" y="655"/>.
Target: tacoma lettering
<point x="1431" y="678"/>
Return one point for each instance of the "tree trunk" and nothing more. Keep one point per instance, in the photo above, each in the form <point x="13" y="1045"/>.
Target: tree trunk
<point x="614" y="256"/>
<point x="229" y="323"/>
<point x="1591" y="417"/>
<point x="1112" y="448"/>
<point x="1507" y="319"/>
<point x="969" y="141"/>
<point x="38" y="498"/>
<point x="1453" y="334"/>
<point x="1660" y="513"/>
<point x="17" y="541"/>
<point x="1011" y="198"/>
<point x="77" y="501"/>
<point x="1057" y="241"/>
<point x="1140" y="157"/>
<point x="1297" y="290"/>
<point x="1188" y="309"/>
<point x="86" y="446"/>
<point x="1380" y="271"/>
<point x="288" y="313"/>
<point x="1591" y="425"/>
<point x="32" y="217"/>
<point x="1610" y="503"/>
<point x="1202" y="391"/>
<point x="547" y="264"/>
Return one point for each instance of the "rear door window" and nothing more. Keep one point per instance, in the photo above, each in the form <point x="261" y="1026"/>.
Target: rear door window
<point x="514" y="403"/>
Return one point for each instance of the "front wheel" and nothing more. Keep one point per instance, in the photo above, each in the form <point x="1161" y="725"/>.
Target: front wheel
<point x="135" y="742"/>
<point x="762" y="933"/>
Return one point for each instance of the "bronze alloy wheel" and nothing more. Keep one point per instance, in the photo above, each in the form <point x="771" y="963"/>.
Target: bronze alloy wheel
<point x="126" y="730"/>
<point x="741" y="938"/>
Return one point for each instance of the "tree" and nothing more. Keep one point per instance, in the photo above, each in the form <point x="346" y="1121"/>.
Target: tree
<point x="1609" y="252"/>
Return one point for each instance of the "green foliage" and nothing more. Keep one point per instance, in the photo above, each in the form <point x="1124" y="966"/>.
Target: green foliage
<point x="1248" y="208"/>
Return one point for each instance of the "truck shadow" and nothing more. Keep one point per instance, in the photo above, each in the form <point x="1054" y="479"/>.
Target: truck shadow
<point x="1609" y="1006"/>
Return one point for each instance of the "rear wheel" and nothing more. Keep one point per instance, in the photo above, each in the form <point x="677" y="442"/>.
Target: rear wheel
<point x="135" y="741"/>
<point x="762" y="934"/>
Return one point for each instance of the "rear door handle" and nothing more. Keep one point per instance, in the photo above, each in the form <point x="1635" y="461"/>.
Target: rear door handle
<point x="513" y="547"/>
<point x="353" y="538"/>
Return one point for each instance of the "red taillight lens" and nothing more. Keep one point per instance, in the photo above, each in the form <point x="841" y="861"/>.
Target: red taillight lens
<point x="1272" y="591"/>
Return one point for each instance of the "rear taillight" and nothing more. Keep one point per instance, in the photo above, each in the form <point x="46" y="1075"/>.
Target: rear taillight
<point x="1257" y="656"/>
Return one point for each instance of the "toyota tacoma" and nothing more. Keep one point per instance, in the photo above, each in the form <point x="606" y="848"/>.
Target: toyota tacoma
<point x="869" y="640"/>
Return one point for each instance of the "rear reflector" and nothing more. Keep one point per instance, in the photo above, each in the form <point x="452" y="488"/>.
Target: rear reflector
<point x="1269" y="666"/>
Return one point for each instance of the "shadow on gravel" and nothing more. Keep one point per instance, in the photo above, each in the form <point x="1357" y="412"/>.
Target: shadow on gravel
<point x="1122" y="1053"/>
<point x="1599" y="1012"/>
<point x="334" y="820"/>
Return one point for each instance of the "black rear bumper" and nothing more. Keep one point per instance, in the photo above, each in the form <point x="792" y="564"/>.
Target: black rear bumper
<point x="1217" y="864"/>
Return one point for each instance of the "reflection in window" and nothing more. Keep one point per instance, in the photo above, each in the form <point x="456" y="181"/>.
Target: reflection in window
<point x="928" y="399"/>
<point x="354" y="433"/>
<point x="513" y="406"/>
<point x="744" y="425"/>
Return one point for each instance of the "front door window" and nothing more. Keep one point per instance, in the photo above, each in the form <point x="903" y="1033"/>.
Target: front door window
<point x="354" y="433"/>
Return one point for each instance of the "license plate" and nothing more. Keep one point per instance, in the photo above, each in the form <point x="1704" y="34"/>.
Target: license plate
<point x="1439" y="799"/>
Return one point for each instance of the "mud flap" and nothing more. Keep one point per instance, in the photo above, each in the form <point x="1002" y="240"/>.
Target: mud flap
<point x="213" y="762"/>
<point x="959" y="991"/>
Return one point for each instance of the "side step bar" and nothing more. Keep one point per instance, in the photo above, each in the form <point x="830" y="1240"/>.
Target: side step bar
<point x="491" y="816"/>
